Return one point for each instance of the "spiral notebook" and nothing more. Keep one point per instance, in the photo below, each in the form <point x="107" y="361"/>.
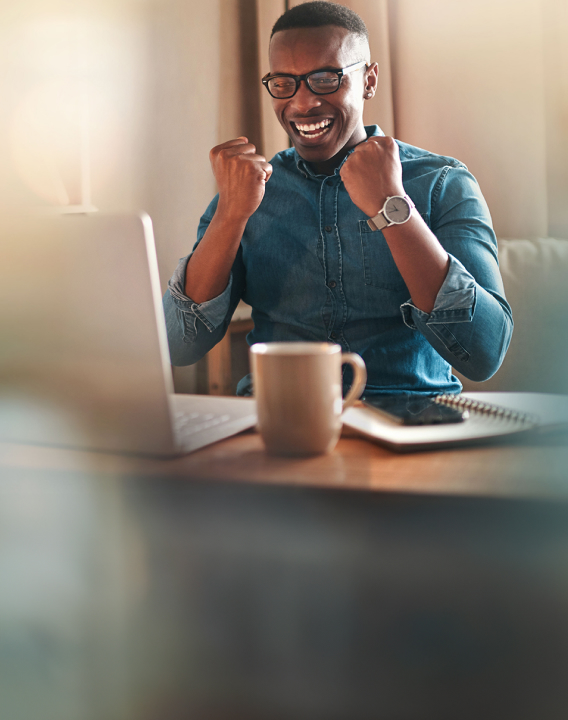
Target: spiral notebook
<point x="493" y="416"/>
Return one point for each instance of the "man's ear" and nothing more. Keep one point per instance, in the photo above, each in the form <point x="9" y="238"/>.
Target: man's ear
<point x="371" y="79"/>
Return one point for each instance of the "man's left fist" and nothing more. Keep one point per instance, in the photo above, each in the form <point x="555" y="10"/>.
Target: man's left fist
<point x="372" y="173"/>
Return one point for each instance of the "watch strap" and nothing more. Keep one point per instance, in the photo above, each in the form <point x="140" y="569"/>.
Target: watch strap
<point x="380" y="221"/>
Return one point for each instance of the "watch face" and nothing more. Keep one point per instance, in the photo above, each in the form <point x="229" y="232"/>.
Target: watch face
<point x="397" y="210"/>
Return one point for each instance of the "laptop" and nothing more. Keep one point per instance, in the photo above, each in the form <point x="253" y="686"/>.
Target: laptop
<point x="84" y="359"/>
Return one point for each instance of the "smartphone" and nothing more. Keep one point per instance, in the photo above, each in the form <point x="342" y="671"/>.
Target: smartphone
<point x="413" y="409"/>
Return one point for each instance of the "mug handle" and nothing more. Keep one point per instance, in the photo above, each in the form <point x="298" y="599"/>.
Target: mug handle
<point x="359" y="377"/>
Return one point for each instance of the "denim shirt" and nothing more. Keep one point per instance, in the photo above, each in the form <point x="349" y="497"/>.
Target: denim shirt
<point x="313" y="270"/>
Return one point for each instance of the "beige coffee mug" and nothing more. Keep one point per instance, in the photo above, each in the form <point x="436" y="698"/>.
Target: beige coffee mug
<point x="297" y="386"/>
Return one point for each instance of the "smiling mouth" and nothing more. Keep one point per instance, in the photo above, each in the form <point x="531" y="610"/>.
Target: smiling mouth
<point x="313" y="130"/>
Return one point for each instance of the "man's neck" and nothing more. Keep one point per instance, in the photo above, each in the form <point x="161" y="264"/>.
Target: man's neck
<point x="328" y="167"/>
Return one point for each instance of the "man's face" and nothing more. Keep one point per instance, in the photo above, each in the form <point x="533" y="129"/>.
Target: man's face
<point x="300" y="51"/>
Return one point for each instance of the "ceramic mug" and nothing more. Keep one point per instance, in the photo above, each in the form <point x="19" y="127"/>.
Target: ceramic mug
<point x="297" y="386"/>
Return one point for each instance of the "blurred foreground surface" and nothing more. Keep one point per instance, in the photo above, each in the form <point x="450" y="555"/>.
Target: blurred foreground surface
<point x="134" y="599"/>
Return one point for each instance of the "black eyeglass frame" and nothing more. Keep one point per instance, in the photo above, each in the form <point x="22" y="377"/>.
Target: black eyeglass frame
<point x="298" y="79"/>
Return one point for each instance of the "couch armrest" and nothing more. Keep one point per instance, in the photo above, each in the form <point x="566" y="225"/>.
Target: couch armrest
<point x="535" y="276"/>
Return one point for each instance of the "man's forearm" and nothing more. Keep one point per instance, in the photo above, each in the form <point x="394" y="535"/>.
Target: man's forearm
<point x="420" y="259"/>
<point x="209" y="268"/>
<point x="241" y="176"/>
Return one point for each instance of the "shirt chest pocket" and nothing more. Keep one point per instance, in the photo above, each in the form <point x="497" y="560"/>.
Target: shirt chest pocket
<point x="379" y="268"/>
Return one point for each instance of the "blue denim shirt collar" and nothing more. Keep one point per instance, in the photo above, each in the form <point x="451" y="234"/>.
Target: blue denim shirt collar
<point x="306" y="169"/>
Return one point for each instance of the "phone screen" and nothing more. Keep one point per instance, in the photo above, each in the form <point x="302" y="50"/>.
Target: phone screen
<point x="415" y="409"/>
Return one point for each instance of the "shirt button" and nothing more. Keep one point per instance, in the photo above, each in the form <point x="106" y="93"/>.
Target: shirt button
<point x="333" y="336"/>
<point x="328" y="228"/>
<point x="331" y="284"/>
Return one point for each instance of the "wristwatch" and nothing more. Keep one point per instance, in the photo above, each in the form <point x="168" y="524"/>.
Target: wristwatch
<point x="396" y="211"/>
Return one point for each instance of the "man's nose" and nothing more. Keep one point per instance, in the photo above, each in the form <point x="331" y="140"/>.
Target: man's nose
<point x="305" y="100"/>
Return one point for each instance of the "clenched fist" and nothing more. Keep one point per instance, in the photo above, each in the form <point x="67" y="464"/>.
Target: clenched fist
<point x="241" y="175"/>
<point x="372" y="173"/>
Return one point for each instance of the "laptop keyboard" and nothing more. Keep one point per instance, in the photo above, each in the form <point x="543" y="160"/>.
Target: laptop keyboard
<point x="187" y="424"/>
<point x="200" y="420"/>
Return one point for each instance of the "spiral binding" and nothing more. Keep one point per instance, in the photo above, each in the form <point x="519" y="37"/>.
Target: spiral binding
<point x="476" y="406"/>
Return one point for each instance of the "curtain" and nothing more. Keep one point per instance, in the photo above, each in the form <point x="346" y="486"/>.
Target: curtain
<point x="484" y="81"/>
<point x="470" y="83"/>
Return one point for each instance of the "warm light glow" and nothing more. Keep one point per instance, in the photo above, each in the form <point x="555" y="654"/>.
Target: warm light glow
<point x="63" y="103"/>
<point x="46" y="136"/>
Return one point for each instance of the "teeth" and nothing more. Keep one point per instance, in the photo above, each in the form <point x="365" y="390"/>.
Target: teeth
<point x="312" y="127"/>
<point x="313" y="135"/>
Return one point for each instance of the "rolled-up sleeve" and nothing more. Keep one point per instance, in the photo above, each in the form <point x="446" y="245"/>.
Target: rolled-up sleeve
<point x="211" y="312"/>
<point x="471" y="323"/>
<point x="194" y="328"/>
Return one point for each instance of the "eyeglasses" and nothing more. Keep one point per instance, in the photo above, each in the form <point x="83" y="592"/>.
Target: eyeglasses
<point x="320" y="82"/>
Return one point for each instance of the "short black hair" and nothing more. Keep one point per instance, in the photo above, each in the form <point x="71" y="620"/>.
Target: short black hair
<point x="318" y="14"/>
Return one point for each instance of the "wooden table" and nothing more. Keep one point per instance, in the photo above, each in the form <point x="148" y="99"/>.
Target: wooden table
<point x="523" y="471"/>
<point x="357" y="585"/>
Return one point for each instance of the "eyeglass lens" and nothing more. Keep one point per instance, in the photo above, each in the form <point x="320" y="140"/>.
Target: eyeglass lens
<point x="322" y="83"/>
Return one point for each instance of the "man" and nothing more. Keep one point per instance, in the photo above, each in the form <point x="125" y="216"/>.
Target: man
<point x="414" y="291"/>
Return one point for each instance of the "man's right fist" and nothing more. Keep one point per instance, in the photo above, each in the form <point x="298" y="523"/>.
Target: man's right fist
<point x="241" y="175"/>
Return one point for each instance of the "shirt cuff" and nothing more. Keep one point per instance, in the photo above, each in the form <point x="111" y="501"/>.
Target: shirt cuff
<point x="455" y="301"/>
<point x="212" y="312"/>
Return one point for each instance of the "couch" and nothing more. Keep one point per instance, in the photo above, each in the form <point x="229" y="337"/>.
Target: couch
<point x="535" y="276"/>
